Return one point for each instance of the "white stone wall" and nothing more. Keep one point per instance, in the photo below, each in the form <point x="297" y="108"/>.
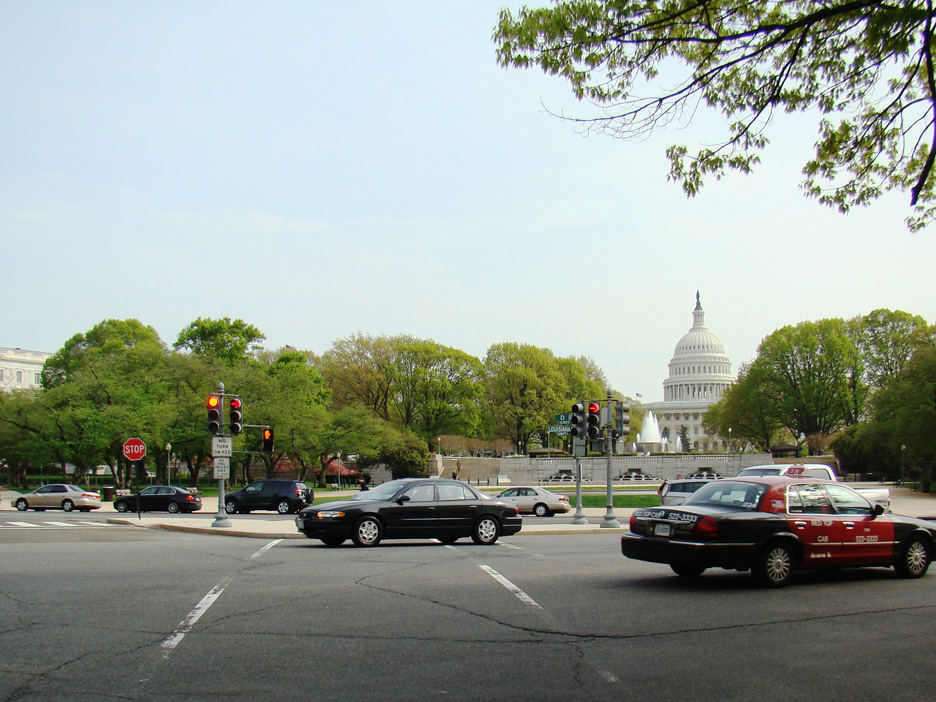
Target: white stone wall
<point x="20" y="369"/>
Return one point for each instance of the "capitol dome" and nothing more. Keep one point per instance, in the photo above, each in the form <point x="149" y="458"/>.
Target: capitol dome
<point x="700" y="369"/>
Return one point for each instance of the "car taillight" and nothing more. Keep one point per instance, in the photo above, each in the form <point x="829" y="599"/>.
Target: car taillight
<point x="189" y="498"/>
<point x="297" y="491"/>
<point x="705" y="528"/>
<point x="92" y="495"/>
<point x="633" y="522"/>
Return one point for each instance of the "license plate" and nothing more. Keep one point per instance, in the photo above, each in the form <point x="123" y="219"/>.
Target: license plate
<point x="662" y="529"/>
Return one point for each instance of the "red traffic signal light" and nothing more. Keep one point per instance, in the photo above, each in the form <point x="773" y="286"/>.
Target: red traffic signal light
<point x="268" y="440"/>
<point x="215" y="421"/>
<point x="236" y="416"/>
<point x="594" y="420"/>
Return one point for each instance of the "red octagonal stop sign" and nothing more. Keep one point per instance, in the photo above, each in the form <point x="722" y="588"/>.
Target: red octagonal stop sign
<point x="134" y="449"/>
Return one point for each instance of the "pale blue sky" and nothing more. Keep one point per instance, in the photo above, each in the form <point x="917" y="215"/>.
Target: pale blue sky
<point x="319" y="169"/>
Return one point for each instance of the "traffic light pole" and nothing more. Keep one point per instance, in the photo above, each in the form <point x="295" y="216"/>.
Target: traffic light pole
<point x="610" y="520"/>
<point x="221" y="519"/>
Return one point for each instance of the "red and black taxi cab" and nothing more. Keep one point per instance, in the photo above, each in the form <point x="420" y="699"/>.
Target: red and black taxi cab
<point x="773" y="525"/>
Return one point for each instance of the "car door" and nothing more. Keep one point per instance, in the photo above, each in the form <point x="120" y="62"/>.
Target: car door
<point x="48" y="496"/>
<point x="254" y="495"/>
<point x="457" y="509"/>
<point x="814" y="520"/>
<point x="415" y="514"/>
<point x="149" y="499"/>
<point x="866" y="538"/>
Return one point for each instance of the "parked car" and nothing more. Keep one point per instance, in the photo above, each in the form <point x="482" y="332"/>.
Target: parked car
<point x="536" y="500"/>
<point x="410" y="508"/>
<point x="159" y="498"/>
<point x="705" y="475"/>
<point x="635" y="476"/>
<point x="675" y="492"/>
<point x="773" y="526"/>
<point x="59" y="496"/>
<point x="877" y="495"/>
<point x="283" y="496"/>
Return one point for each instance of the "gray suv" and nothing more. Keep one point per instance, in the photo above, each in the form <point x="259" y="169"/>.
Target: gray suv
<point x="280" y="495"/>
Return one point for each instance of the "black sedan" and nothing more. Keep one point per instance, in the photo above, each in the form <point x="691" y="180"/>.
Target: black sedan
<point x="446" y="510"/>
<point x="773" y="526"/>
<point x="159" y="498"/>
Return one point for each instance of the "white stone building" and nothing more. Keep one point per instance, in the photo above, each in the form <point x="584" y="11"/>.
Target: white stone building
<point x="21" y="369"/>
<point x="699" y="374"/>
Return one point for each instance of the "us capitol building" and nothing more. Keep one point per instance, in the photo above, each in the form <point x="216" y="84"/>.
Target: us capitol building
<point x="699" y="375"/>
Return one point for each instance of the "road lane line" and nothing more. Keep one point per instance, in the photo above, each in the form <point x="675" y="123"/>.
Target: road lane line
<point x="25" y="524"/>
<point x="516" y="591"/>
<point x="266" y="548"/>
<point x="185" y="626"/>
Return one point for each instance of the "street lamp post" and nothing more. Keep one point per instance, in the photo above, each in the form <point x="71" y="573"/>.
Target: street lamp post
<point x="168" y="463"/>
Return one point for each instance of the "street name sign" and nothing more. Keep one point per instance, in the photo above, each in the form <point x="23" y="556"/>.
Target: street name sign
<point x="222" y="468"/>
<point x="221" y="446"/>
<point x="560" y="429"/>
<point x="564" y="418"/>
<point x="134" y="449"/>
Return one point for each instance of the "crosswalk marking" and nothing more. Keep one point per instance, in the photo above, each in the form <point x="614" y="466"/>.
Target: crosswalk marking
<point x="52" y="525"/>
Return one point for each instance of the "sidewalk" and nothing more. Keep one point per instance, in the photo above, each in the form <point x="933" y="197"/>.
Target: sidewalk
<point x="903" y="501"/>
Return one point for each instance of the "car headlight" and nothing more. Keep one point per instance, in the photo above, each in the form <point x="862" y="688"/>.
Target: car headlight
<point x="329" y="515"/>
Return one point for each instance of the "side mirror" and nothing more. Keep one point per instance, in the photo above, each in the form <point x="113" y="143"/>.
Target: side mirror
<point x="877" y="510"/>
<point x="403" y="499"/>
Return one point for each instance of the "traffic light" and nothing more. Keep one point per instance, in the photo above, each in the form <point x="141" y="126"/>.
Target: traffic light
<point x="594" y="420"/>
<point x="579" y="420"/>
<point x="215" y="419"/>
<point x="268" y="440"/>
<point x="621" y="420"/>
<point x="236" y="416"/>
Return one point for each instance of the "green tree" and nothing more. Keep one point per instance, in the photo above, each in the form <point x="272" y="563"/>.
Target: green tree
<point x="359" y="370"/>
<point x="525" y="388"/>
<point x="222" y="339"/>
<point x="865" y="67"/>
<point x="746" y="409"/>
<point x="436" y="389"/>
<point x="886" y="341"/>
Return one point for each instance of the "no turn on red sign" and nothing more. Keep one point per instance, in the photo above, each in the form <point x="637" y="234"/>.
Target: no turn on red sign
<point x="134" y="449"/>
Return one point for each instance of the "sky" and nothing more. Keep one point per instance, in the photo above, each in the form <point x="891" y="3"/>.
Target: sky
<point x="321" y="169"/>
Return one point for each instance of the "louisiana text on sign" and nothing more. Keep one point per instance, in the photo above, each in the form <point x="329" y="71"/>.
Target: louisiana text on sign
<point x="559" y="429"/>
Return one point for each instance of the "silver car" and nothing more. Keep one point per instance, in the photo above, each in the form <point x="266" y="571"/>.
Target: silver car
<point x="675" y="492"/>
<point x="536" y="500"/>
<point x="66" y="497"/>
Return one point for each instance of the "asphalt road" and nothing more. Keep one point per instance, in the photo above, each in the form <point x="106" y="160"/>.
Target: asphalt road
<point x="114" y="612"/>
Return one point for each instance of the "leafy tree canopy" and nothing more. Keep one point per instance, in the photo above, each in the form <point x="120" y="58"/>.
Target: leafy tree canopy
<point x="220" y="339"/>
<point x="865" y="68"/>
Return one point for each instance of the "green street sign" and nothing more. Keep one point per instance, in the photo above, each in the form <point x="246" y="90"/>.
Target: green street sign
<point x="564" y="418"/>
<point x="562" y="429"/>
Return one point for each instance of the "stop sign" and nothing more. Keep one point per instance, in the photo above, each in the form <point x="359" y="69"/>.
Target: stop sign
<point x="134" y="449"/>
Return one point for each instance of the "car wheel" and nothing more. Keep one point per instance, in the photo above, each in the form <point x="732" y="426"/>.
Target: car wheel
<point x="486" y="531"/>
<point x="333" y="540"/>
<point x="367" y="532"/>
<point x="283" y="507"/>
<point x="774" y="566"/>
<point x="230" y="506"/>
<point x="22" y="505"/>
<point x="914" y="559"/>
<point x="173" y="507"/>
<point x="68" y="505"/>
<point x="121" y="506"/>
<point x="541" y="510"/>
<point x="687" y="571"/>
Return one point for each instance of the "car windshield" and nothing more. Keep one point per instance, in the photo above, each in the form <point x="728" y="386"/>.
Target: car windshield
<point x="729" y="493"/>
<point x="381" y="492"/>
